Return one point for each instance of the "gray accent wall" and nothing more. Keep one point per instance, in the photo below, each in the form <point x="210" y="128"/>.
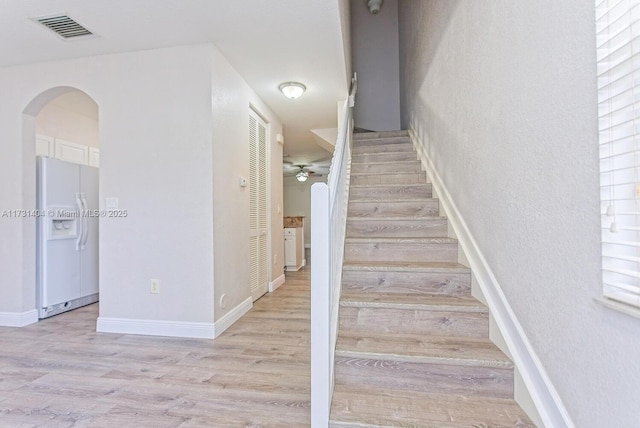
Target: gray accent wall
<point x="502" y="94"/>
<point x="374" y="50"/>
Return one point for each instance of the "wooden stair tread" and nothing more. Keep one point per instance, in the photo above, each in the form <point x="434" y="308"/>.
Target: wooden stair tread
<point x="392" y="201"/>
<point x="397" y="218"/>
<point x="406" y="217"/>
<point x="392" y="185"/>
<point x="388" y="167"/>
<point x="412" y="347"/>
<point x="381" y="153"/>
<point x="368" y="134"/>
<point x="397" y="227"/>
<point x="401" y="164"/>
<point x="390" y="191"/>
<point x="440" y="240"/>
<point x="357" y="158"/>
<point x="385" y="141"/>
<point x="407" y="266"/>
<point x="383" y="156"/>
<point x="431" y="302"/>
<point x="357" y="136"/>
<point x="373" y="136"/>
<point x="386" y="173"/>
<point x="374" y="144"/>
<point x="369" y="406"/>
<point x="448" y="278"/>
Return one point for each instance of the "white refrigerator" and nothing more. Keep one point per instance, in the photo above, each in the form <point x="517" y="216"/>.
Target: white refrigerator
<point x="67" y="236"/>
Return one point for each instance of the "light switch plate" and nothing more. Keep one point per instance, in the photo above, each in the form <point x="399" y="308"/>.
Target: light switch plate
<point x="112" y="203"/>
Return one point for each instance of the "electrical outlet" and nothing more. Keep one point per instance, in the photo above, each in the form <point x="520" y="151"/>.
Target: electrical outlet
<point x="638" y="191"/>
<point x="155" y="286"/>
<point x="275" y="259"/>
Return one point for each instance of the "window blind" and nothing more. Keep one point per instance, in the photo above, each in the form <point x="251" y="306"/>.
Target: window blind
<point x="618" y="56"/>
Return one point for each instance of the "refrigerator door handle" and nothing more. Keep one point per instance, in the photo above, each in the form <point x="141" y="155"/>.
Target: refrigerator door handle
<point x="79" y="245"/>
<point x="85" y="222"/>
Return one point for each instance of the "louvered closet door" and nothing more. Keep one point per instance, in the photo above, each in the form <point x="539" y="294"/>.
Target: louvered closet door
<point x="258" y="267"/>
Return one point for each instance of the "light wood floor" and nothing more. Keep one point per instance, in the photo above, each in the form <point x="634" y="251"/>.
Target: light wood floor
<point x="61" y="373"/>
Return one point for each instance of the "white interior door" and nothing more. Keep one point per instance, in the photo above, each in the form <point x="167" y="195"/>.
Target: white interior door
<point x="258" y="232"/>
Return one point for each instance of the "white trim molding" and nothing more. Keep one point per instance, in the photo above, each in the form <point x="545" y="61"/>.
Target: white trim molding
<point x="232" y="316"/>
<point x="544" y="396"/>
<point x="156" y="328"/>
<point x="18" y="319"/>
<point x="173" y="328"/>
<point x="273" y="285"/>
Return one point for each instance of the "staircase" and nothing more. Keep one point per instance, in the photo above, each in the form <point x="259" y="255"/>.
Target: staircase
<point x="413" y="344"/>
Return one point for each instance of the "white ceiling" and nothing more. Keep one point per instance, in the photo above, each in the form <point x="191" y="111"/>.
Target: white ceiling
<point x="268" y="42"/>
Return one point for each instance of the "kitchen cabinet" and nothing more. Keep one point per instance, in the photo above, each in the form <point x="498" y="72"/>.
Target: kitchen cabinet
<point x="56" y="148"/>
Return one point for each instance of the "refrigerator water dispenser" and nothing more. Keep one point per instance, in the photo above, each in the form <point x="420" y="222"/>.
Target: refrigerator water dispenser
<point x="62" y="223"/>
<point x="63" y="228"/>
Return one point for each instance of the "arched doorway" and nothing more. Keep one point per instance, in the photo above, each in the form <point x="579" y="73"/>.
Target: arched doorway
<point x="62" y="124"/>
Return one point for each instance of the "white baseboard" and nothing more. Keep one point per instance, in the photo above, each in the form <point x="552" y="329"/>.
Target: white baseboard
<point x="544" y="397"/>
<point x="156" y="328"/>
<point x="273" y="285"/>
<point x="232" y="316"/>
<point x="18" y="319"/>
<point x="296" y="268"/>
<point x="173" y="328"/>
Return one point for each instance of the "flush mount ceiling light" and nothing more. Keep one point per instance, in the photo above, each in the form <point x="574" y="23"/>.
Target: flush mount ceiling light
<point x="292" y="90"/>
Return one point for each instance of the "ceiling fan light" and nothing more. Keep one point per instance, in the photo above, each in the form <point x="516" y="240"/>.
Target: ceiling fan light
<point x="302" y="176"/>
<point x="292" y="90"/>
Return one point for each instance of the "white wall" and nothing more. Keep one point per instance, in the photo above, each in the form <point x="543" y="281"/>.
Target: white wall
<point x="172" y="150"/>
<point x="297" y="201"/>
<point x="344" y="9"/>
<point x="374" y="49"/>
<point x="72" y="117"/>
<point x="503" y="96"/>
<point x="231" y="100"/>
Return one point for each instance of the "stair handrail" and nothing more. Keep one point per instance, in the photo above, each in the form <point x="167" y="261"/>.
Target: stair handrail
<point x="328" y="226"/>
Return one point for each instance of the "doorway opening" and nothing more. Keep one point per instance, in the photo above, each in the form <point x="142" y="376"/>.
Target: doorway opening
<point x="66" y="138"/>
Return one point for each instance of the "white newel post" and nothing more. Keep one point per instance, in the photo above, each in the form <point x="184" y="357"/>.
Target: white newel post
<point x="321" y="306"/>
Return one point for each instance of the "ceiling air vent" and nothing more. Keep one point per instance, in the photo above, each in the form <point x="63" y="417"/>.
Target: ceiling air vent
<point x="64" y="26"/>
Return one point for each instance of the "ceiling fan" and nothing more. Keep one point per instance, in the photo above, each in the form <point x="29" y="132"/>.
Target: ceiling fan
<point x="300" y="171"/>
<point x="303" y="174"/>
